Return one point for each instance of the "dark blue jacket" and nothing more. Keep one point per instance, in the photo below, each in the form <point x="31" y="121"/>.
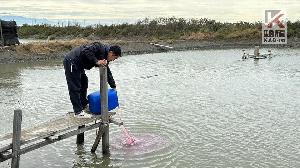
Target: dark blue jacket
<point x="86" y="57"/>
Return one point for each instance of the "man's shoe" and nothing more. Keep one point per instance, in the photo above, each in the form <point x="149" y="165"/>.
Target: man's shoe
<point x="82" y="114"/>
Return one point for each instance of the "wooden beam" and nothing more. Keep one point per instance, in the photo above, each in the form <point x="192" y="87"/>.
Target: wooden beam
<point x="98" y="138"/>
<point x="5" y="148"/>
<point x="59" y="138"/>
<point x="115" y="122"/>
<point x="161" y="46"/>
<point x="51" y="128"/>
<point x="16" y="141"/>
<point x="50" y="140"/>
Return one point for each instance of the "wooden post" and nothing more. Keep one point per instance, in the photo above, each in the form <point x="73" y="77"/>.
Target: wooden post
<point x="105" y="140"/>
<point x="80" y="137"/>
<point x="1" y="34"/>
<point x="16" y="140"/>
<point x="104" y="109"/>
<point x="103" y="94"/>
<point x="256" y="51"/>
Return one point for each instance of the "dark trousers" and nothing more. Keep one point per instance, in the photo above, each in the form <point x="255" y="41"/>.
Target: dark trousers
<point x="77" y="84"/>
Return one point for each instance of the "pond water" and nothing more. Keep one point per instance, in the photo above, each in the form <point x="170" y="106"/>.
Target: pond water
<point x="190" y="109"/>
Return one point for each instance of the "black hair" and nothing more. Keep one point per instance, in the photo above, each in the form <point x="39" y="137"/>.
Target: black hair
<point x="116" y="50"/>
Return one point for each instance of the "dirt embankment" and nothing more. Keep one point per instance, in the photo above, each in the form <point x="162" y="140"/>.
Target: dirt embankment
<point x="56" y="49"/>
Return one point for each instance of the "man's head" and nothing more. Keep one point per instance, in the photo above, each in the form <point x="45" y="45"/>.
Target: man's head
<point x="114" y="53"/>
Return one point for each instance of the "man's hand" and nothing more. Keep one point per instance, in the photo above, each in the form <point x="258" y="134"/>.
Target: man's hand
<point x="102" y="62"/>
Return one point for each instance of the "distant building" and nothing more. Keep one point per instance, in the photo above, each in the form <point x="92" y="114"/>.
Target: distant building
<point x="8" y="33"/>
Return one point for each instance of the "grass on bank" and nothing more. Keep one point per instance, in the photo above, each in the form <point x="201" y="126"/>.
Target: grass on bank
<point x="56" y="46"/>
<point x="46" y="48"/>
<point x="156" y="29"/>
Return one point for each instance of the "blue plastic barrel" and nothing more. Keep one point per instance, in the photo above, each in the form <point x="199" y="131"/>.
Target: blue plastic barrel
<point x="94" y="101"/>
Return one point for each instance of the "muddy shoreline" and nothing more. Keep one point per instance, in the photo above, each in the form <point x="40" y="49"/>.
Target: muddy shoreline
<point x="10" y="55"/>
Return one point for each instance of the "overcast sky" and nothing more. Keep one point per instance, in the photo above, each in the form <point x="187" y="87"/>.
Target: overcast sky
<point x="221" y="10"/>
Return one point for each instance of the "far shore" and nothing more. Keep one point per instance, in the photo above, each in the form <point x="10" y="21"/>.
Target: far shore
<point x="51" y="50"/>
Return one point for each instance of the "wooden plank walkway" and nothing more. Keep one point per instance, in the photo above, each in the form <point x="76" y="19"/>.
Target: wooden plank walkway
<point x="13" y="145"/>
<point x="54" y="128"/>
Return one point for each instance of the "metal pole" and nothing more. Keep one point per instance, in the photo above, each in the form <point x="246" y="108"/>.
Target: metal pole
<point x="16" y="141"/>
<point x="104" y="109"/>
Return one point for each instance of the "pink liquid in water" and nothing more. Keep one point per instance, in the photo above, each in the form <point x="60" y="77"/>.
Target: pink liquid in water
<point x="130" y="140"/>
